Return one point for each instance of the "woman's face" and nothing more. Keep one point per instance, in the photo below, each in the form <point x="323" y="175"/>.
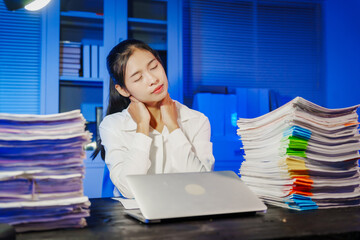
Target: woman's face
<point x="145" y="78"/>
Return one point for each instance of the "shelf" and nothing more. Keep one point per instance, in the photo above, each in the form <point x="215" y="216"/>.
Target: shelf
<point x="81" y="24"/>
<point x="148" y="29"/>
<point x="81" y="81"/>
<point x="79" y="14"/>
<point x="81" y="19"/>
<point x="148" y="21"/>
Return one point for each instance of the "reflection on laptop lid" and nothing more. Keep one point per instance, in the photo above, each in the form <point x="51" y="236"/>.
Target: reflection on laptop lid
<point x="176" y="195"/>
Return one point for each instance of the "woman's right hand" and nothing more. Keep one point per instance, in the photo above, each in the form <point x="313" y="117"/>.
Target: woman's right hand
<point x="140" y="114"/>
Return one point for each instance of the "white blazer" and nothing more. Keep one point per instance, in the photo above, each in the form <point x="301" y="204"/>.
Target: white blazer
<point x="187" y="149"/>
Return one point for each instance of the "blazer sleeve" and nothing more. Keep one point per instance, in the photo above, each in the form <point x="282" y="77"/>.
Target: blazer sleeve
<point x="195" y="154"/>
<point x="125" y="159"/>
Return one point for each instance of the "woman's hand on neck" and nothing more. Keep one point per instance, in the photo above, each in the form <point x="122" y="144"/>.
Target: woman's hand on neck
<point x="163" y="113"/>
<point x="140" y="115"/>
<point x="169" y="113"/>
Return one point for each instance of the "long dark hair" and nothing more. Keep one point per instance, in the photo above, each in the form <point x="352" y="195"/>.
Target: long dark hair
<point x="116" y="62"/>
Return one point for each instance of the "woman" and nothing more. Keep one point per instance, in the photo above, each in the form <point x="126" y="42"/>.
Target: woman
<point x="145" y="131"/>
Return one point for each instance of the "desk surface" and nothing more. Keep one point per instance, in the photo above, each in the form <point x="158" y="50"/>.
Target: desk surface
<point x="107" y="221"/>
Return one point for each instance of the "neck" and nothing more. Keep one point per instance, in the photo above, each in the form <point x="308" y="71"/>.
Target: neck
<point x="155" y="118"/>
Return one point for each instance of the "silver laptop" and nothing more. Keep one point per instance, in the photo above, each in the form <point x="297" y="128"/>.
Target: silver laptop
<point x="177" y="195"/>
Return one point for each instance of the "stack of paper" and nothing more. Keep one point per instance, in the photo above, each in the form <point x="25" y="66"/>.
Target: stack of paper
<point x="41" y="171"/>
<point x="70" y="59"/>
<point x="303" y="156"/>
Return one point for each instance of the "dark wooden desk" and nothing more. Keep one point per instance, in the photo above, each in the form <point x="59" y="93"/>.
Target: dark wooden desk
<point x="108" y="221"/>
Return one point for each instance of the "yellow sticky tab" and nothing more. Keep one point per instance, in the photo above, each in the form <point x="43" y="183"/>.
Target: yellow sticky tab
<point x="296" y="164"/>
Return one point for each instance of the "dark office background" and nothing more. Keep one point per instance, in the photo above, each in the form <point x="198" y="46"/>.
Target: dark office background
<point x="296" y="48"/>
<point x="307" y="48"/>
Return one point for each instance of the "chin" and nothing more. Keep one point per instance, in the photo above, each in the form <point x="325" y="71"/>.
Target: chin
<point x="156" y="99"/>
<point x="161" y="96"/>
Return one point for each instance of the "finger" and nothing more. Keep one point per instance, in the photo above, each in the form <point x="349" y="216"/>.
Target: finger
<point x="167" y="99"/>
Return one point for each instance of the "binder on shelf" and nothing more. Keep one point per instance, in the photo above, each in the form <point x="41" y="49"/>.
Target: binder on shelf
<point x="69" y="65"/>
<point x="69" y="72"/>
<point x="86" y="60"/>
<point x="70" y="60"/>
<point x="230" y="115"/>
<point x="102" y="61"/>
<point x="217" y="118"/>
<point x="264" y="101"/>
<point x="69" y="56"/>
<point x="241" y="102"/>
<point x="253" y="102"/>
<point x="206" y="103"/>
<point x="94" y="61"/>
<point x="73" y="50"/>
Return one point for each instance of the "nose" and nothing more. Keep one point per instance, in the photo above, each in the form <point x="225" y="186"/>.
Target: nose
<point x="151" y="79"/>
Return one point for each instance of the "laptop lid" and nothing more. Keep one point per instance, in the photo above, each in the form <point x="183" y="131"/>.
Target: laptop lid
<point x="175" y="195"/>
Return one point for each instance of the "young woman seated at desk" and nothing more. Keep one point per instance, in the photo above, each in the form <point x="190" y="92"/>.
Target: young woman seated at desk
<point x="145" y="131"/>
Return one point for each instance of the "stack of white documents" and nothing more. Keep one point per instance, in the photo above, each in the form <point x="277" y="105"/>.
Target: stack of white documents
<point x="303" y="156"/>
<point x="41" y="171"/>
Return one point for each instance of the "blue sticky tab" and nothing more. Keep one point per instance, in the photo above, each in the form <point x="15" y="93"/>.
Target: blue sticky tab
<point x="300" y="202"/>
<point x="297" y="131"/>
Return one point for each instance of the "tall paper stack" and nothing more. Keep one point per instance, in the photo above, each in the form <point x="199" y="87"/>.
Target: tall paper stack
<point x="41" y="171"/>
<point x="303" y="156"/>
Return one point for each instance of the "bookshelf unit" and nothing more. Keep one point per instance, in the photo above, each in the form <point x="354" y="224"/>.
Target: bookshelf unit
<point x="86" y="22"/>
<point x="98" y="25"/>
<point x="104" y="23"/>
<point x="81" y="84"/>
<point x="147" y="21"/>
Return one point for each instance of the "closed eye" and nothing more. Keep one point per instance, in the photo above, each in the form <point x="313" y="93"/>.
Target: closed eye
<point x="138" y="79"/>
<point x="154" y="67"/>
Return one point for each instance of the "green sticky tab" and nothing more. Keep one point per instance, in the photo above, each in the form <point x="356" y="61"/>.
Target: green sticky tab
<point x="297" y="153"/>
<point x="295" y="142"/>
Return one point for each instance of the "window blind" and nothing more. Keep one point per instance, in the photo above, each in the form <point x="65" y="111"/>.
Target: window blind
<point x="20" y="58"/>
<point x="254" y="44"/>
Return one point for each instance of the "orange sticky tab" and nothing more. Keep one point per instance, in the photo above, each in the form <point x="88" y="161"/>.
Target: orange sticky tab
<point x="303" y="184"/>
<point x="351" y="124"/>
<point x="304" y="179"/>
<point x="302" y="188"/>
<point x="301" y="193"/>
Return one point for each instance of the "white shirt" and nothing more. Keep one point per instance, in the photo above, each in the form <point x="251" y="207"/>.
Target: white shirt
<point x="186" y="149"/>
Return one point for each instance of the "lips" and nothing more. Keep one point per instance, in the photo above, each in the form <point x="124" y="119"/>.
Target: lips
<point x="158" y="89"/>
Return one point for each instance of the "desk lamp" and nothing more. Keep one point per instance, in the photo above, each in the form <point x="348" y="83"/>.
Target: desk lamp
<point x="31" y="5"/>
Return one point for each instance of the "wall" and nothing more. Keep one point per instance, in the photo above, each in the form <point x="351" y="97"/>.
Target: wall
<point x="254" y="44"/>
<point x="342" y="52"/>
<point x="20" y="61"/>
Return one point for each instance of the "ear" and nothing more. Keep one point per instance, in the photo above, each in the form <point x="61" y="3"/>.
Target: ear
<point x="122" y="91"/>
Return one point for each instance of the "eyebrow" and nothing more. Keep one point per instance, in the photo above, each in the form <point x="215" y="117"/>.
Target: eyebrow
<point x="139" y="71"/>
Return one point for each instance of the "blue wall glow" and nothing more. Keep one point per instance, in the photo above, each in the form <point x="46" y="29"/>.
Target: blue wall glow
<point x="342" y="52"/>
<point x="20" y="58"/>
<point x="275" y="45"/>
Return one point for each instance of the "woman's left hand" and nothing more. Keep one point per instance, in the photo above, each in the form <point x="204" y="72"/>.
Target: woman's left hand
<point x="169" y="113"/>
